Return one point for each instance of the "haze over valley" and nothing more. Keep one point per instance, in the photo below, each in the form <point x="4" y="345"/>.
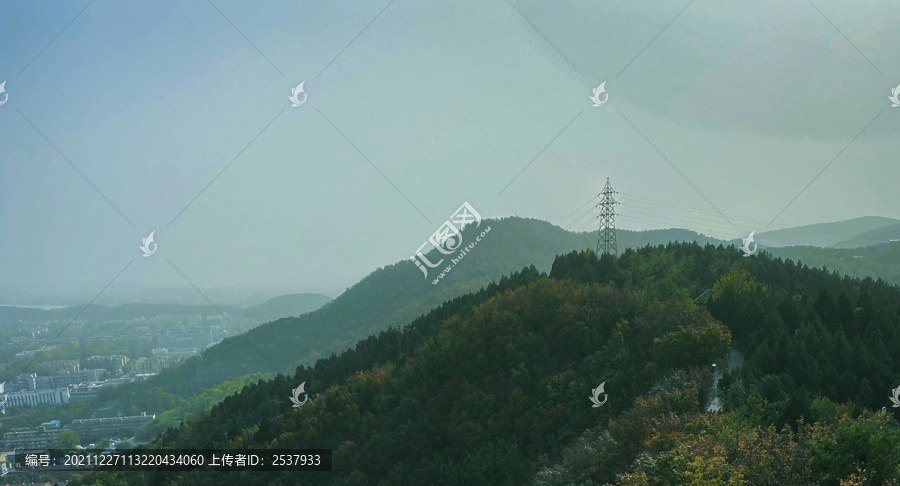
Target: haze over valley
<point x="477" y="242"/>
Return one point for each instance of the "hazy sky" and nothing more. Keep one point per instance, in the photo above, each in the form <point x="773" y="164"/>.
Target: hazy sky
<point x="449" y="100"/>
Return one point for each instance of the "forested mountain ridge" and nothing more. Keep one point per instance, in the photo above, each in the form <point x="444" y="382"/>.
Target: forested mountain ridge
<point x="876" y="236"/>
<point x="492" y="387"/>
<point x="396" y="294"/>
<point x="825" y="234"/>
<point x="391" y="296"/>
<point x="372" y="305"/>
<point x="286" y="305"/>
<point x="881" y="261"/>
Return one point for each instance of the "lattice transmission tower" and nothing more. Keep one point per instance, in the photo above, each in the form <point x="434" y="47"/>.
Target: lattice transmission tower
<point x="606" y="237"/>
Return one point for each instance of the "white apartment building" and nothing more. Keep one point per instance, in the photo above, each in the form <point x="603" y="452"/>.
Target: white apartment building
<point x="33" y="398"/>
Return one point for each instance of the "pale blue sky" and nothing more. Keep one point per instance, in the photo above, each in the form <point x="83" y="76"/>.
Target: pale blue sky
<point x="450" y="100"/>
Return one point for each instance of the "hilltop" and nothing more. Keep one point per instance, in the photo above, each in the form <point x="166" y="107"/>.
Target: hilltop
<point x="825" y="234"/>
<point x="492" y="387"/>
<point x="397" y="294"/>
<point x="877" y="236"/>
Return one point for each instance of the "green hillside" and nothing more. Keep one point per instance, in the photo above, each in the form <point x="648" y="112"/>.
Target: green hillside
<point x="823" y="234"/>
<point x="492" y="387"/>
<point x="877" y="261"/>
<point x="285" y="305"/>
<point x="872" y="237"/>
<point x="391" y="296"/>
<point x="397" y="294"/>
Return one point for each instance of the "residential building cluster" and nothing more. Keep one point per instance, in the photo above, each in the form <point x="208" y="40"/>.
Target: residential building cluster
<point x="43" y="437"/>
<point x="187" y="341"/>
<point x="36" y="382"/>
<point x="113" y="363"/>
<point x="31" y="390"/>
<point x="94" y="429"/>
<point x="60" y="366"/>
<point x="153" y="364"/>
<point x="88" y="430"/>
<point x="33" y="398"/>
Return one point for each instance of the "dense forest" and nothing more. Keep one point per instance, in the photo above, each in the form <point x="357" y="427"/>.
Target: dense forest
<point x="493" y="386"/>
<point x="391" y="296"/>
<point x="396" y="294"/>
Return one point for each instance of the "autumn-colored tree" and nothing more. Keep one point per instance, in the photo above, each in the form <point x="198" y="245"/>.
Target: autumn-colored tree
<point x="738" y="281"/>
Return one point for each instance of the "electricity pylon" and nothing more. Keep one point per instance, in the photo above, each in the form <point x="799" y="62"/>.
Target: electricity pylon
<point x="606" y="237"/>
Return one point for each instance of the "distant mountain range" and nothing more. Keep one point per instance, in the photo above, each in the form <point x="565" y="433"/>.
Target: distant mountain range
<point x="396" y="294"/>
<point x="492" y="387"/>
<point x="285" y="305"/>
<point x="524" y="242"/>
<point x="840" y="234"/>
<point x="876" y="236"/>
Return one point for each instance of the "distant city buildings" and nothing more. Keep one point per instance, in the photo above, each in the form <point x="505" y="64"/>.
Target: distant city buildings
<point x="92" y="430"/>
<point x="88" y="430"/>
<point x="87" y="391"/>
<point x="35" y="382"/>
<point x="10" y="387"/>
<point x="84" y="391"/>
<point x="67" y="379"/>
<point x="42" y="437"/>
<point x="110" y="362"/>
<point x="33" y="398"/>
<point x="187" y="340"/>
<point x="154" y="364"/>
<point x="32" y="390"/>
<point x="173" y="353"/>
<point x="61" y="366"/>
